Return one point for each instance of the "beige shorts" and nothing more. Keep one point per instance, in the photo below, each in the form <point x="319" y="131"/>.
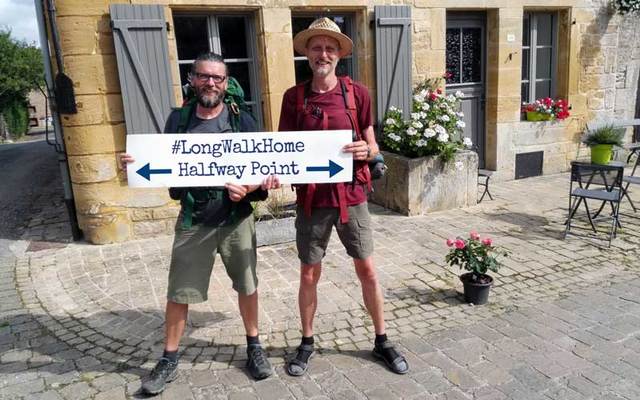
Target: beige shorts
<point x="313" y="233"/>
<point x="194" y="252"/>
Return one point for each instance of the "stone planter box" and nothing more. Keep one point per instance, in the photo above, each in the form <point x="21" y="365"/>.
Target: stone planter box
<point x="414" y="186"/>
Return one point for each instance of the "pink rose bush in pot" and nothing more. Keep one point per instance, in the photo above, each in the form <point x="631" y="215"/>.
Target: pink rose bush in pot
<point x="476" y="255"/>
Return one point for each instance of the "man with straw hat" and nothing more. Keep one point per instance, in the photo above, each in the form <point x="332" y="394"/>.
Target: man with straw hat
<point x="331" y="102"/>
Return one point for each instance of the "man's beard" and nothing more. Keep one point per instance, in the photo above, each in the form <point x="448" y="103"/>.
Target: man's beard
<point x="323" y="71"/>
<point x="209" y="100"/>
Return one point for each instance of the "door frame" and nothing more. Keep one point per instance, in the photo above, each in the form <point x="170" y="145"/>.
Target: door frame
<point x="474" y="19"/>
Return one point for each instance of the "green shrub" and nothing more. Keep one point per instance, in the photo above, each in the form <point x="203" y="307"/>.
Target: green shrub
<point x="606" y="134"/>
<point x="16" y="116"/>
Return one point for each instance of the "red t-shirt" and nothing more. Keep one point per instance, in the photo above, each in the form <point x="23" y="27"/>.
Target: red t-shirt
<point x="332" y="103"/>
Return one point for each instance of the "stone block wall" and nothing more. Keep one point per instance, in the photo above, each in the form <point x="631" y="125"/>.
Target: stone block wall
<point x="599" y="55"/>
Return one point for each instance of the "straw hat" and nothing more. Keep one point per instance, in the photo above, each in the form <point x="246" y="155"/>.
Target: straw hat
<point x="324" y="27"/>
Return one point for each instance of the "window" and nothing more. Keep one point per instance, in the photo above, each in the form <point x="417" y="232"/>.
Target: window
<point x="233" y="37"/>
<point x="539" y="55"/>
<point x="346" y="66"/>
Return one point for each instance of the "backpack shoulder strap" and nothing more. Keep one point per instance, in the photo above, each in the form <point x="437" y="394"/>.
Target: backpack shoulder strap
<point x="301" y="101"/>
<point x="348" y="94"/>
<point x="185" y="115"/>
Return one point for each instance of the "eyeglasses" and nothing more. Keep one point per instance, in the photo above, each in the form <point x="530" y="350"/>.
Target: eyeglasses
<point x="206" y="77"/>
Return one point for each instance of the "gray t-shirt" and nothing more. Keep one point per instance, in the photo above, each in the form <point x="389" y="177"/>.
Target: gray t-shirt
<point x="219" y="124"/>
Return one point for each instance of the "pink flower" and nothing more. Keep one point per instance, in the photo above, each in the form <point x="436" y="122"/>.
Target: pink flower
<point x="474" y="235"/>
<point x="487" y="241"/>
<point x="450" y="242"/>
<point x="460" y="244"/>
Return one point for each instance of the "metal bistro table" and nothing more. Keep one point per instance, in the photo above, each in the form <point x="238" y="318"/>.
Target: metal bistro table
<point x="608" y="178"/>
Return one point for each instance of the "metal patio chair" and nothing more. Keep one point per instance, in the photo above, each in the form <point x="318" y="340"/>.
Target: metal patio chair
<point x="595" y="182"/>
<point x="486" y="175"/>
<point x="632" y="178"/>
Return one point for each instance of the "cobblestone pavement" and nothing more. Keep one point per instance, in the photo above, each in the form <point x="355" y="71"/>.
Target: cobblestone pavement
<point x="79" y="321"/>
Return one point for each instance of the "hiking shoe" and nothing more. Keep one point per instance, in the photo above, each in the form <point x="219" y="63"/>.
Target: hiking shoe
<point x="258" y="363"/>
<point x="164" y="372"/>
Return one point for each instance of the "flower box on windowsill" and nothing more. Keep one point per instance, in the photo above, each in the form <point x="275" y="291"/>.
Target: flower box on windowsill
<point x="538" y="116"/>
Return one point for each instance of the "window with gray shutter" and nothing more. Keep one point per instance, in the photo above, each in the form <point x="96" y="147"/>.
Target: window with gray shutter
<point x="393" y="59"/>
<point x="140" y="37"/>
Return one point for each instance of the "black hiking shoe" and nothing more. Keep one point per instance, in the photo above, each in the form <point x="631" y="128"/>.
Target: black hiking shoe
<point x="257" y="362"/>
<point x="164" y="372"/>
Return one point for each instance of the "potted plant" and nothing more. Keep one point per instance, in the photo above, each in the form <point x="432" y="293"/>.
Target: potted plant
<point x="430" y="166"/>
<point x="601" y="141"/>
<point x="546" y="109"/>
<point x="477" y="256"/>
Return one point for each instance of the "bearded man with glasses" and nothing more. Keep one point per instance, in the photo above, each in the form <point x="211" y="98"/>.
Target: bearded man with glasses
<point x="220" y="220"/>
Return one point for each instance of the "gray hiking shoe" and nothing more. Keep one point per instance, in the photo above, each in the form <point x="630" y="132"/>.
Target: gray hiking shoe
<point x="164" y="372"/>
<point x="257" y="362"/>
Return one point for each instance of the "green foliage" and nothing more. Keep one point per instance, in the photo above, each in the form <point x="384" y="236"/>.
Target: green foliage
<point x="627" y="6"/>
<point x="16" y="116"/>
<point x="20" y="71"/>
<point x="606" y="134"/>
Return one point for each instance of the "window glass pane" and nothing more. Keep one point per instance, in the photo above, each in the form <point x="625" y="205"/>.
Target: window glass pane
<point x="525" y="64"/>
<point x="543" y="89"/>
<point x="471" y="55"/>
<point x="191" y="36"/>
<point x="526" y="34"/>
<point x="303" y="71"/>
<point x="543" y="63"/>
<point x="240" y="71"/>
<point x="453" y="55"/>
<point x="525" y="92"/>
<point x="184" y="70"/>
<point x="232" y="37"/>
<point x="544" y="29"/>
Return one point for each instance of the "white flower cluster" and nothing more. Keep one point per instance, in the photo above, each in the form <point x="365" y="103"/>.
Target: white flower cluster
<point x="435" y="123"/>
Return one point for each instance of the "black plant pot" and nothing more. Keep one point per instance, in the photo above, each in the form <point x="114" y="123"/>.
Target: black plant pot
<point x="474" y="291"/>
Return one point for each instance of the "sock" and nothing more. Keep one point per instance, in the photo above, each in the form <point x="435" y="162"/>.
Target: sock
<point x="303" y="355"/>
<point x="171" y="355"/>
<point x="380" y="338"/>
<point x="253" y="340"/>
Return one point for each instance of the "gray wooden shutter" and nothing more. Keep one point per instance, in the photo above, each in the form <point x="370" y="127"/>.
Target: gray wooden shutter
<point x="393" y="59"/>
<point x="140" y="36"/>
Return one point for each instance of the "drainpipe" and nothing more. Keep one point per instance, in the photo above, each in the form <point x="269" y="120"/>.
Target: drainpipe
<point x="57" y="126"/>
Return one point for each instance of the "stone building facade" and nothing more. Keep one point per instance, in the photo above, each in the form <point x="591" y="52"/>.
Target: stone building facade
<point x="595" y="64"/>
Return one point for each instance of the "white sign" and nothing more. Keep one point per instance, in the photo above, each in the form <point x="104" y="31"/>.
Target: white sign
<point x="214" y="159"/>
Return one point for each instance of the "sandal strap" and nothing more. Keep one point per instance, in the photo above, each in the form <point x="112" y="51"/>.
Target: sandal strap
<point x="306" y="347"/>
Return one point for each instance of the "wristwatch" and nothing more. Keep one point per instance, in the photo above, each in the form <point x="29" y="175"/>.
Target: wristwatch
<point x="368" y="152"/>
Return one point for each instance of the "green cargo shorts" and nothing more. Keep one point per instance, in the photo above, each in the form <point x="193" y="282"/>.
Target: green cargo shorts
<point x="313" y="233"/>
<point x="194" y="252"/>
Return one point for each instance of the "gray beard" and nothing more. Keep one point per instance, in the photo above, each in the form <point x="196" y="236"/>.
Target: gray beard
<point x="209" y="101"/>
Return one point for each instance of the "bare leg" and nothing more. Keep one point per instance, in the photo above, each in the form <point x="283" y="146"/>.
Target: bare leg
<point x="175" y="321"/>
<point x="308" y="295"/>
<point x="248" y="305"/>
<point x="371" y="292"/>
